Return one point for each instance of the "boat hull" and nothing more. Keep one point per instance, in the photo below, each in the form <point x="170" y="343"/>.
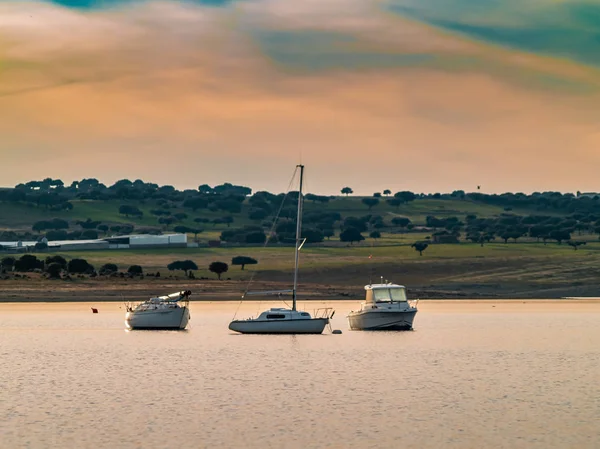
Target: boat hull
<point x="300" y="326"/>
<point x="382" y="320"/>
<point x="171" y="319"/>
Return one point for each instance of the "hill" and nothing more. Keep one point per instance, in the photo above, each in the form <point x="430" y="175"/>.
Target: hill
<point x="456" y="244"/>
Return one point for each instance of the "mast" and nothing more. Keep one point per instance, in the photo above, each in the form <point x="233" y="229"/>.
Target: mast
<point x="298" y="236"/>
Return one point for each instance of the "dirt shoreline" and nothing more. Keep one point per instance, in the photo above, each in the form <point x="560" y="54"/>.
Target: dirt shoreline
<point x="132" y="290"/>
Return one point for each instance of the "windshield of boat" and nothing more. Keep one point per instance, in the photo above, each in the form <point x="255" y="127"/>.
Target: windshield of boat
<point x="385" y="294"/>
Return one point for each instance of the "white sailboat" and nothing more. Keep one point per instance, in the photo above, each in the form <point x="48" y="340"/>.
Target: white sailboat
<point x="167" y="312"/>
<point x="281" y="320"/>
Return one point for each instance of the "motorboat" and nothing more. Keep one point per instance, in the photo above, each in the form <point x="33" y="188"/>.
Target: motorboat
<point x="167" y="312"/>
<point x="385" y="308"/>
<point x="282" y="320"/>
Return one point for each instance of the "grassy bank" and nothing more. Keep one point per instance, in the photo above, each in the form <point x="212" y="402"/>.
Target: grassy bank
<point x="445" y="270"/>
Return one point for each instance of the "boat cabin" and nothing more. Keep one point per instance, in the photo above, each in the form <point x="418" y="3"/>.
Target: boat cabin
<point x="385" y="293"/>
<point x="276" y="314"/>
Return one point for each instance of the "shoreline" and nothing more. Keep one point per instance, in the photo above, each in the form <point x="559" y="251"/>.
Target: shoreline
<point x="36" y="288"/>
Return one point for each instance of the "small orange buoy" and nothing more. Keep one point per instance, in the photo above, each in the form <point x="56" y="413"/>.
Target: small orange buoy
<point x="94" y="310"/>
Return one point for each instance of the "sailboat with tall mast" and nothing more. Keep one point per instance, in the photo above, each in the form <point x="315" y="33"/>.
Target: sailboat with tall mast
<point x="281" y="320"/>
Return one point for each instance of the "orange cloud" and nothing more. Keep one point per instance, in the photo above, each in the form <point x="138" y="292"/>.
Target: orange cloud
<point x="184" y="95"/>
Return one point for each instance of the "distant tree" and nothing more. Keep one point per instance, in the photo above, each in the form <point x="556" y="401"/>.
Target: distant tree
<point x="103" y="228"/>
<point x="227" y="220"/>
<point x="387" y="192"/>
<point x="54" y="270"/>
<point x="56" y="259"/>
<point x="161" y="212"/>
<point x="370" y="202"/>
<point x="57" y="235"/>
<point x="575" y="245"/>
<point x="79" y="266"/>
<point x="180" y="229"/>
<point x="88" y="224"/>
<point x="218" y="268"/>
<point x="396" y="202"/>
<point x="129" y="210"/>
<point x="258" y="214"/>
<point x="351" y="235"/>
<point x="184" y="265"/>
<point x="55" y="223"/>
<point x="108" y="268"/>
<point x="347" y="191"/>
<point x="420" y="246"/>
<point x="180" y="216"/>
<point x="135" y="270"/>
<point x="313" y="235"/>
<point x="560" y="235"/>
<point x="205" y="188"/>
<point x="167" y="221"/>
<point x="7" y="263"/>
<point x="89" y="234"/>
<point x="400" y="221"/>
<point x="243" y="261"/>
<point x="405" y="196"/>
<point x="377" y="195"/>
<point x="196" y="203"/>
<point x="375" y="235"/>
<point x="28" y="262"/>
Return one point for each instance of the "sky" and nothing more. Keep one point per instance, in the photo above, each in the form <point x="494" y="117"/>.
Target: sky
<point x="420" y="95"/>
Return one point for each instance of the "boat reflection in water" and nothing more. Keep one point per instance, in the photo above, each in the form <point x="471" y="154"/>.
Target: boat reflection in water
<point x="170" y="312"/>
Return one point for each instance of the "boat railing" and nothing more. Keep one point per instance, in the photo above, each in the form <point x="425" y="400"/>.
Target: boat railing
<point x="324" y="312"/>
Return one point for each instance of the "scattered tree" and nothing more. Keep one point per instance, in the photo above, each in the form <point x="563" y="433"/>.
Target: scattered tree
<point x="57" y="259"/>
<point x="7" y="263"/>
<point x="135" y="270"/>
<point x="218" y="268"/>
<point x="54" y="270"/>
<point x="420" y="246"/>
<point x="28" y="262"/>
<point x="351" y="235"/>
<point x="375" y="235"/>
<point x="370" y="202"/>
<point x="108" y="268"/>
<point x="79" y="266"/>
<point x="184" y="265"/>
<point x="402" y="222"/>
<point x="347" y="191"/>
<point x="243" y="261"/>
<point x="575" y="245"/>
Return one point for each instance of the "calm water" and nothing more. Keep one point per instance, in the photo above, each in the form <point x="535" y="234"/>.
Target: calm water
<point x="472" y="375"/>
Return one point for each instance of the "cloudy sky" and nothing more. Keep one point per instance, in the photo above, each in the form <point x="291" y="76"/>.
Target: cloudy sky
<point x="422" y="95"/>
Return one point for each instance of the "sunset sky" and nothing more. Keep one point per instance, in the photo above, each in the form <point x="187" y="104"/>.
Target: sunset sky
<point x="421" y="95"/>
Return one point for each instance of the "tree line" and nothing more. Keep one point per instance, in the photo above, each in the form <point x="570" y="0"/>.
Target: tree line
<point x="57" y="267"/>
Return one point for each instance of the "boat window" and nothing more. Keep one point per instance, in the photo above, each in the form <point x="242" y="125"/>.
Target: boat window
<point x="385" y="294"/>
<point x="381" y="294"/>
<point x="398" y="294"/>
<point x="305" y="314"/>
<point x="275" y="316"/>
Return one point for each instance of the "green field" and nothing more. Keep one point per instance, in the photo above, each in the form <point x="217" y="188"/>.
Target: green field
<point x="21" y="217"/>
<point x="525" y="268"/>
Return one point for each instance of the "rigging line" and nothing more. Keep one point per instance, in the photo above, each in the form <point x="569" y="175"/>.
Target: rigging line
<point x="275" y="220"/>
